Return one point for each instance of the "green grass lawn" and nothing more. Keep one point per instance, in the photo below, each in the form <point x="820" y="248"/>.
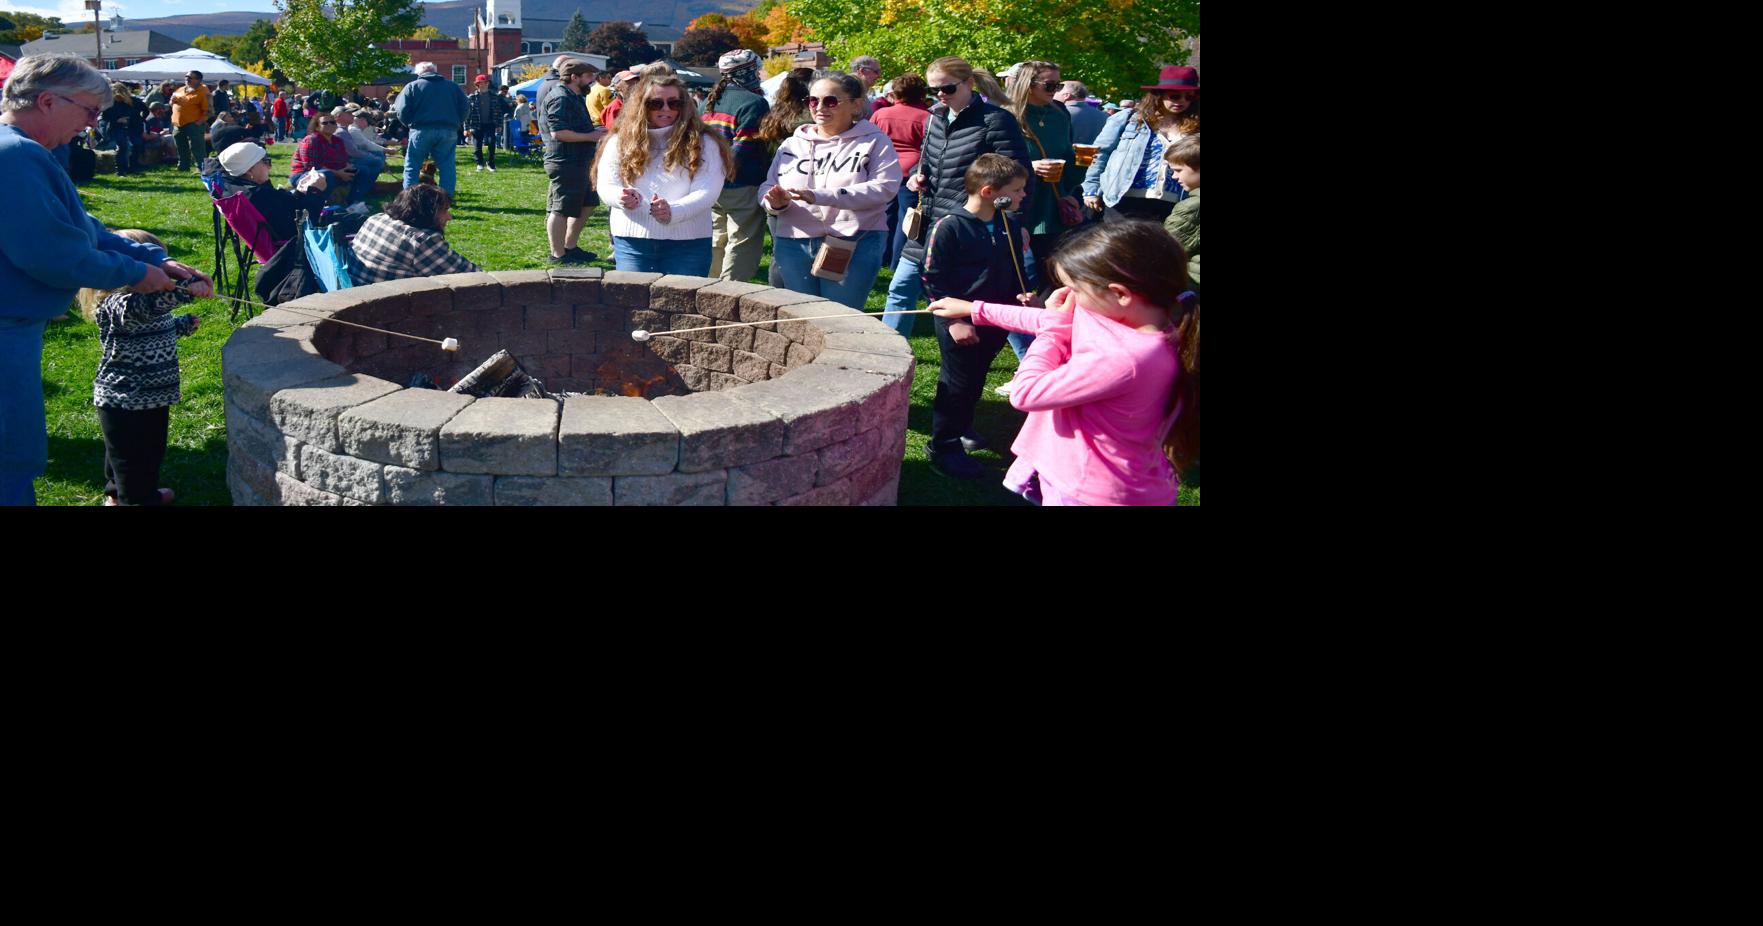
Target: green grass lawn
<point x="499" y="222"/>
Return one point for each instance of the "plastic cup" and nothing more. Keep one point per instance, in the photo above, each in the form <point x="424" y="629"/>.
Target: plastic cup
<point x="1055" y="168"/>
<point x="1084" y="155"/>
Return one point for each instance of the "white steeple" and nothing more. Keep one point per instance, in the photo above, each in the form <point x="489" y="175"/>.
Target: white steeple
<point x="503" y="14"/>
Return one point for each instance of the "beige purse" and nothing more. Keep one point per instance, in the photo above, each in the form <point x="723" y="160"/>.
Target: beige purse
<point x="834" y="259"/>
<point x="914" y="221"/>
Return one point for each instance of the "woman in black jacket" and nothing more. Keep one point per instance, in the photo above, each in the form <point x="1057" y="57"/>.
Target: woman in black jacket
<point x="960" y="130"/>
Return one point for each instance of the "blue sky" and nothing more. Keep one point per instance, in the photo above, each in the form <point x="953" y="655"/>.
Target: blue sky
<point x="75" y="10"/>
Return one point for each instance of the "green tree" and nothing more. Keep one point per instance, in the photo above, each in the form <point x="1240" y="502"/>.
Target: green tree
<point x="227" y="46"/>
<point x="337" y="52"/>
<point x="575" y="35"/>
<point x="704" y="46"/>
<point x="28" y="27"/>
<point x="623" y="44"/>
<point x="1112" y="47"/>
<point x="254" y="44"/>
<point x="429" y="32"/>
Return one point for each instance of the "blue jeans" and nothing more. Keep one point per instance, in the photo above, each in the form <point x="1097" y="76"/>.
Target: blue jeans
<point x="367" y="170"/>
<point x="654" y="255"/>
<point x="438" y="144"/>
<point x="24" y="432"/>
<point x="793" y="257"/>
<point x="903" y="295"/>
<point x="897" y="225"/>
<point x="1019" y="342"/>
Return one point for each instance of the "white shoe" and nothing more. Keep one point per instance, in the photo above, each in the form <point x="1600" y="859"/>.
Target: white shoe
<point x="492" y="170"/>
<point x="1005" y="389"/>
<point x="480" y="168"/>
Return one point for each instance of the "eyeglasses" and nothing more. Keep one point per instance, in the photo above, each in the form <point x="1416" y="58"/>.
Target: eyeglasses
<point x="827" y="103"/>
<point x="92" y="112"/>
<point x="946" y="89"/>
<point x="327" y="122"/>
<point x="675" y="103"/>
<point x="1052" y="86"/>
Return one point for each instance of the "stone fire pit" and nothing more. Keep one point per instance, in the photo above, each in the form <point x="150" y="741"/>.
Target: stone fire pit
<point x="801" y="413"/>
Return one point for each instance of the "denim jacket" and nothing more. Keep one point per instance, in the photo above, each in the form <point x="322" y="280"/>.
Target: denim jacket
<point x="1123" y="142"/>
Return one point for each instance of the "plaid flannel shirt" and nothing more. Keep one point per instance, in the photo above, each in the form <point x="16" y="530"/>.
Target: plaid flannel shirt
<point x="388" y="249"/>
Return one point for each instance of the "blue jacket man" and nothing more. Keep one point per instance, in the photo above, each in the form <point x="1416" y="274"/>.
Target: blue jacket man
<point x="50" y="248"/>
<point x="434" y="108"/>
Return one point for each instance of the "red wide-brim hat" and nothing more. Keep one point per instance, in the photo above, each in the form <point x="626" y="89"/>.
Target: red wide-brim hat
<point x="1175" y="77"/>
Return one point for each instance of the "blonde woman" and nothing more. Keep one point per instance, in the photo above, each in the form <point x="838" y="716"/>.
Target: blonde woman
<point x="660" y="174"/>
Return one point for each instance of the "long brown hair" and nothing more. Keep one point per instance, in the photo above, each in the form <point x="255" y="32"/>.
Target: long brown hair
<point x="790" y="109"/>
<point x="1025" y="74"/>
<point x="684" y="148"/>
<point x="983" y="81"/>
<point x="1145" y="259"/>
<point x="1150" y="111"/>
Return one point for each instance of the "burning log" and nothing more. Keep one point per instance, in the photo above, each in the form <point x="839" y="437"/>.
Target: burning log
<point x="501" y="376"/>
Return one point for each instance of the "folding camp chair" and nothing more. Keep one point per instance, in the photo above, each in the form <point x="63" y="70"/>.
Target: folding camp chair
<point x="239" y="226"/>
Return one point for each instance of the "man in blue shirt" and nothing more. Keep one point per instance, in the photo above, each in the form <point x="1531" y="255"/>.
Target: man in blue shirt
<point x="50" y="248"/>
<point x="434" y="108"/>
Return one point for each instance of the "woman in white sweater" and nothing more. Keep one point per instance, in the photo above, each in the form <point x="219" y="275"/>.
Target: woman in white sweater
<point x="661" y="175"/>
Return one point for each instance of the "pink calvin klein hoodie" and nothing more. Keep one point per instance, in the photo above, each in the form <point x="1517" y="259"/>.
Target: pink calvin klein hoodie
<point x="1096" y="393"/>
<point x="854" y="175"/>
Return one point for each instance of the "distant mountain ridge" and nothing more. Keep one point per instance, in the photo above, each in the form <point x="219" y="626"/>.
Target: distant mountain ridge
<point x="454" y="16"/>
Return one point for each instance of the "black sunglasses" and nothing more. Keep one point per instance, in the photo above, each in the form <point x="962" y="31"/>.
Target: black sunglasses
<point x="1052" y="86"/>
<point x="827" y="103"/>
<point x="946" y="89"/>
<point x="327" y="122"/>
<point x="674" y="103"/>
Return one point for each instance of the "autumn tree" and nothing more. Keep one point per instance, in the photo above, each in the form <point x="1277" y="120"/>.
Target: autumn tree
<point x="1112" y="47"/>
<point x="705" y="46"/>
<point x="708" y="21"/>
<point x="429" y="32"/>
<point x="782" y="26"/>
<point x="575" y="35"/>
<point x="340" y="52"/>
<point x="226" y="46"/>
<point x="623" y="44"/>
<point x="254" y="44"/>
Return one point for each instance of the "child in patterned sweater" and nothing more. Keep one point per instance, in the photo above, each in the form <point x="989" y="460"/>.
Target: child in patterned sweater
<point x="137" y="380"/>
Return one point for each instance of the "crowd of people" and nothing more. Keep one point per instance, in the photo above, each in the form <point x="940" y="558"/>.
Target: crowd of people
<point x="1023" y="214"/>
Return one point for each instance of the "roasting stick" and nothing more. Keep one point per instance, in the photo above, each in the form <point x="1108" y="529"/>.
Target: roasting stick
<point x="641" y="335"/>
<point x="450" y="344"/>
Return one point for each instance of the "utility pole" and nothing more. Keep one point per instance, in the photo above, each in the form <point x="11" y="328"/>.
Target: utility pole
<point x="98" y="32"/>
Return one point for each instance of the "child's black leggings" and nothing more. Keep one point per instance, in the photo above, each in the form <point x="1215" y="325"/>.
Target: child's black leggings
<point x="134" y="447"/>
<point x="961" y="383"/>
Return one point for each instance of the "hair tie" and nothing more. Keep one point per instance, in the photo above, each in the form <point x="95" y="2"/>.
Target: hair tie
<point x="1187" y="296"/>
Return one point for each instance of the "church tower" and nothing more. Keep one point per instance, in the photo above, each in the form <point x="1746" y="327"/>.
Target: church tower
<point x="502" y="22"/>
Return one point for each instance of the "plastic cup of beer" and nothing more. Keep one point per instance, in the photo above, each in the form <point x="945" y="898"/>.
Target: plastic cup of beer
<point x="1055" y="168"/>
<point x="1084" y="155"/>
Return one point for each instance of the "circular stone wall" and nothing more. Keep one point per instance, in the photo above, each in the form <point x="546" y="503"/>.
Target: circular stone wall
<point x="799" y="413"/>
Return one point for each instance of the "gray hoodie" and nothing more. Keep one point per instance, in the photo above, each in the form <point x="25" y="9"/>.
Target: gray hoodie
<point x="854" y="175"/>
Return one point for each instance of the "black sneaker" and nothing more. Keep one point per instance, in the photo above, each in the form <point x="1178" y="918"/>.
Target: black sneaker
<point x="554" y="259"/>
<point x="957" y="463"/>
<point x="579" y="256"/>
<point x="971" y="441"/>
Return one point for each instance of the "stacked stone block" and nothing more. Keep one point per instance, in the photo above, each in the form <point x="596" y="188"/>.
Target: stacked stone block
<point x="806" y="412"/>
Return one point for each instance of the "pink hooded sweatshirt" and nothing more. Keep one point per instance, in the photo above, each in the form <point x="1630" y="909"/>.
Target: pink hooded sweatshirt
<point x="854" y="175"/>
<point x="1097" y="393"/>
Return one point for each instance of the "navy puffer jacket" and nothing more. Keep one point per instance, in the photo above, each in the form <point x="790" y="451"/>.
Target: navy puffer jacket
<point x="951" y="147"/>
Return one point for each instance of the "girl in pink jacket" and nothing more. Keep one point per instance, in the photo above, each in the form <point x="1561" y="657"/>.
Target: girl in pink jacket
<point x="1112" y="381"/>
<point x="834" y="178"/>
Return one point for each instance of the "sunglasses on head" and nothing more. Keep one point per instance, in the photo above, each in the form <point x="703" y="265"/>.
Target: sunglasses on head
<point x="946" y="89"/>
<point x="826" y="103"/>
<point x="674" y="103"/>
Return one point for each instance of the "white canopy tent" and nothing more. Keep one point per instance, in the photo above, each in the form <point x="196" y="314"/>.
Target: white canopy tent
<point x="175" y="65"/>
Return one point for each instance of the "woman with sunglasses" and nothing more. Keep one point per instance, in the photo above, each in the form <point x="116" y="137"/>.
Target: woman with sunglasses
<point x="965" y="128"/>
<point x="1129" y="176"/>
<point x="1053" y="205"/>
<point x="324" y="152"/>
<point x="661" y="174"/>
<point x="835" y="178"/>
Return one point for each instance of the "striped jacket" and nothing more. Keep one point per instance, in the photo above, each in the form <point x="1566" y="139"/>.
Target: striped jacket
<point x="738" y="112"/>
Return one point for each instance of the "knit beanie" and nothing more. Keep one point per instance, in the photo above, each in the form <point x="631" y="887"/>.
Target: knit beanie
<point x="742" y="67"/>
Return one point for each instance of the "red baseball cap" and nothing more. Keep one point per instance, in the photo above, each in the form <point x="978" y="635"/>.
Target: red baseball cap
<point x="482" y="79"/>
